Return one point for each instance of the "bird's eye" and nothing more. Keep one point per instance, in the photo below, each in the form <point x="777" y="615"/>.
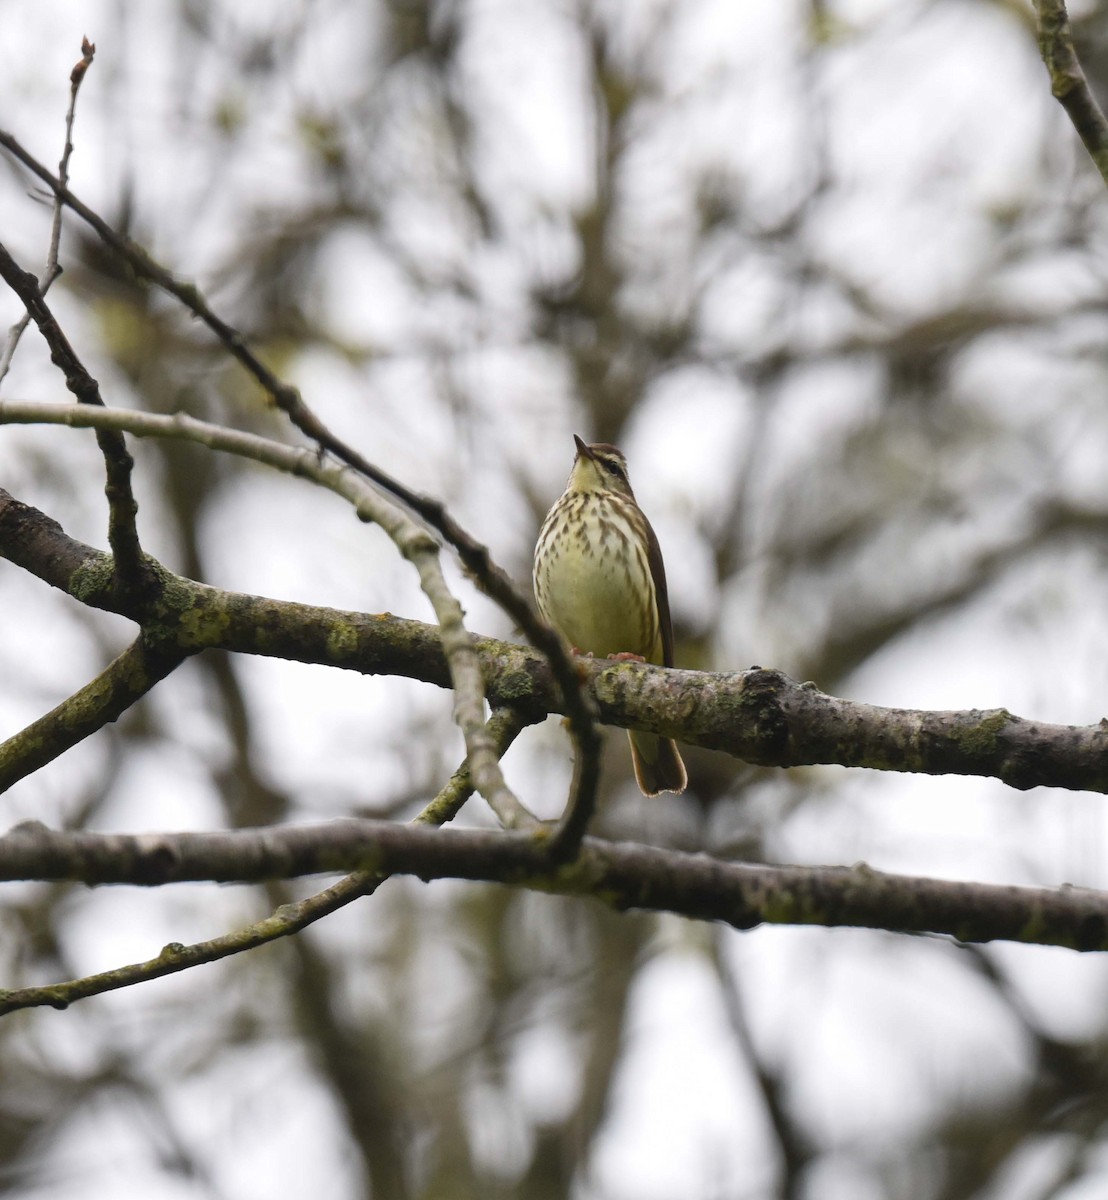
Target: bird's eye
<point x="612" y="467"/>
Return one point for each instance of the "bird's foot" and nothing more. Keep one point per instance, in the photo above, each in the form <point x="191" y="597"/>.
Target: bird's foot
<point x="580" y="666"/>
<point x="626" y="656"/>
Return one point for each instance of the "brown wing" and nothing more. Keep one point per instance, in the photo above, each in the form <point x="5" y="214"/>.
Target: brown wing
<point x="661" y="592"/>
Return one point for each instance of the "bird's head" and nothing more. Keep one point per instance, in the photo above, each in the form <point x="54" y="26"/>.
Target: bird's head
<point x="599" y="468"/>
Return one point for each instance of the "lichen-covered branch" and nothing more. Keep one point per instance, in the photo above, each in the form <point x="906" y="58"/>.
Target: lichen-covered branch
<point x="624" y="875"/>
<point x="761" y="716"/>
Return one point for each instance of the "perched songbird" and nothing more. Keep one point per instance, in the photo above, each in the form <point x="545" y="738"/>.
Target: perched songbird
<point x="599" y="580"/>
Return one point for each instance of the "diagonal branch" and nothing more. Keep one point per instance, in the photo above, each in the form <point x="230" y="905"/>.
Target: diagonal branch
<point x="1068" y="83"/>
<point x="124" y="681"/>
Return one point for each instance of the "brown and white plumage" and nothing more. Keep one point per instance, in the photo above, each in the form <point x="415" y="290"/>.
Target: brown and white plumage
<point x="600" y="581"/>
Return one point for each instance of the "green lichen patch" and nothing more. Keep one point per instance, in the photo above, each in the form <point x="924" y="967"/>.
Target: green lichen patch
<point x="343" y="642"/>
<point x="92" y="581"/>
<point x="982" y="739"/>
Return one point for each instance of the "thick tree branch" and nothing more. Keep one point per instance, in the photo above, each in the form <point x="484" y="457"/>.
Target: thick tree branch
<point x="760" y="716"/>
<point x="622" y="874"/>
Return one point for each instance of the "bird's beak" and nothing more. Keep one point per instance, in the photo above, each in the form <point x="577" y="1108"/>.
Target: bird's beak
<point x="583" y="450"/>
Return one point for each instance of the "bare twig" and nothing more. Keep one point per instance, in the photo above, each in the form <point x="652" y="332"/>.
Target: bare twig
<point x="52" y="270"/>
<point x="289" y="919"/>
<point x="1068" y="83"/>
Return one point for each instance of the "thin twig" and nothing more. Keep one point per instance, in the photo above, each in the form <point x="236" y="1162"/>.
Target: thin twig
<point x="490" y="577"/>
<point x="504" y="725"/>
<point x="52" y="270"/>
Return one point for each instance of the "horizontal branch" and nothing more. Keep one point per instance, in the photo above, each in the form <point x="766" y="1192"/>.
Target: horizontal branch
<point x="760" y="716"/>
<point x="624" y="875"/>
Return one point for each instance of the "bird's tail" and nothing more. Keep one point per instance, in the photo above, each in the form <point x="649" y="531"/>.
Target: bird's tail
<point x="657" y="762"/>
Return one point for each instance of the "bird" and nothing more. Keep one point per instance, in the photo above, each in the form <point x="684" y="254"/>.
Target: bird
<point x="599" y="580"/>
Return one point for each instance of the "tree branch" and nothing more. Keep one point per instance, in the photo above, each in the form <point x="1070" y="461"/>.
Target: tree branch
<point x="1068" y="83"/>
<point x="760" y="716"/>
<point x="622" y="874"/>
